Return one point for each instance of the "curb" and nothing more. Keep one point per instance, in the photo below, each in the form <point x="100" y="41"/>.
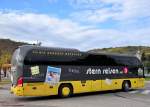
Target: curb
<point x="147" y="81"/>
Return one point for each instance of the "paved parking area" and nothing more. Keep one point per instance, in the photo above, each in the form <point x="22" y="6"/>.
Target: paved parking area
<point x="134" y="98"/>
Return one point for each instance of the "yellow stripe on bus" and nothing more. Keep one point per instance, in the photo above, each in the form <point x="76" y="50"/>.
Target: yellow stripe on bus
<point x="44" y="89"/>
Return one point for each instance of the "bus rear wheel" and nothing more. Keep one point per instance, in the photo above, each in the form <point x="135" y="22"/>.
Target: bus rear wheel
<point x="126" y="86"/>
<point x="65" y="90"/>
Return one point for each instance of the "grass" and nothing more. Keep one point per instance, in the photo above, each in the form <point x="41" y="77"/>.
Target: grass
<point x="147" y="78"/>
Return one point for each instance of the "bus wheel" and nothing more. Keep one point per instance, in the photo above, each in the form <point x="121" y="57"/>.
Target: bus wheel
<point x="126" y="86"/>
<point x="65" y="90"/>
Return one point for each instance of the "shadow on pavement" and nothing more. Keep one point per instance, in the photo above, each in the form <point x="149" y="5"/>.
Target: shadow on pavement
<point x="28" y="99"/>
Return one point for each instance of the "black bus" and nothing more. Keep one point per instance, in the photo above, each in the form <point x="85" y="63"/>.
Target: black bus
<point x="44" y="71"/>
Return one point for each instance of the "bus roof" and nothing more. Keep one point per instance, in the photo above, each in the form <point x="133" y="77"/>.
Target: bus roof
<point x="49" y="48"/>
<point x="111" y="54"/>
<point x="26" y="48"/>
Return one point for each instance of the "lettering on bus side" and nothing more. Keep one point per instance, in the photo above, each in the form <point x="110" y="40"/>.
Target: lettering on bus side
<point x="92" y="71"/>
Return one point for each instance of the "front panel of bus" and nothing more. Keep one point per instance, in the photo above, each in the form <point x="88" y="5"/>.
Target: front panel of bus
<point x="17" y="72"/>
<point x="17" y="67"/>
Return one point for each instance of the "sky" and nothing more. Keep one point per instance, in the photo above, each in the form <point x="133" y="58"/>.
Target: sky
<point x="81" y="24"/>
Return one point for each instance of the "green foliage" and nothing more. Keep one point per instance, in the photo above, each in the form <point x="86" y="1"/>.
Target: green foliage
<point x="146" y="63"/>
<point x="147" y="78"/>
<point x="130" y="50"/>
<point x="143" y="56"/>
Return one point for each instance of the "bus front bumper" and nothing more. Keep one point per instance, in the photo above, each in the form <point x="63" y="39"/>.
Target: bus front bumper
<point x="17" y="90"/>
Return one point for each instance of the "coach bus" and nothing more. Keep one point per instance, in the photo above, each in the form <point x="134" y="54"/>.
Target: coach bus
<point x="44" y="71"/>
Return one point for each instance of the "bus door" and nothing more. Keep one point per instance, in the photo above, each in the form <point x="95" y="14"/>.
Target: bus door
<point x="96" y="85"/>
<point x="107" y="83"/>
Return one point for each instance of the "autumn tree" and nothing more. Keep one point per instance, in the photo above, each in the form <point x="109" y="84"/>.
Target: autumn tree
<point x="5" y="58"/>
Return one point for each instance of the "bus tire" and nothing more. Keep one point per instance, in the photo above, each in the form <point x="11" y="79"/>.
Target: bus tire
<point x="126" y="86"/>
<point x="65" y="90"/>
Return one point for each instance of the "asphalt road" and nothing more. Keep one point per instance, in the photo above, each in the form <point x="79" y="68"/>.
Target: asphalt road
<point x="134" y="98"/>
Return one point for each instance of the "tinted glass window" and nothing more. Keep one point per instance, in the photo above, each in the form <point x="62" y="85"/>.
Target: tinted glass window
<point x="34" y="73"/>
<point x="99" y="60"/>
<point x="127" y="61"/>
<point x="88" y="59"/>
<point x="16" y="69"/>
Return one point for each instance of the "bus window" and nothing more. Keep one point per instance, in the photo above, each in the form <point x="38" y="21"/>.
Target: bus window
<point x="34" y="73"/>
<point x="127" y="61"/>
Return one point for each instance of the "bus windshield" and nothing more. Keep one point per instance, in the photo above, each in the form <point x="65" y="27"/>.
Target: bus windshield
<point x="16" y="68"/>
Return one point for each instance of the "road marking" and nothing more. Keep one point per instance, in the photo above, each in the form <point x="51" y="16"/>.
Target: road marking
<point x="145" y="92"/>
<point x="140" y="92"/>
<point x="133" y="92"/>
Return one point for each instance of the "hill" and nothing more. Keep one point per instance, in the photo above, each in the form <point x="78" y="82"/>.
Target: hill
<point x="144" y="51"/>
<point x="7" y="48"/>
<point x="9" y="45"/>
<point x="132" y="50"/>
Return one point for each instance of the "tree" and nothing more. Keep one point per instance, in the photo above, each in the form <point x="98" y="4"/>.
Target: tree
<point x="1" y="63"/>
<point x="5" y="58"/>
<point x="143" y="58"/>
<point x="0" y="68"/>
